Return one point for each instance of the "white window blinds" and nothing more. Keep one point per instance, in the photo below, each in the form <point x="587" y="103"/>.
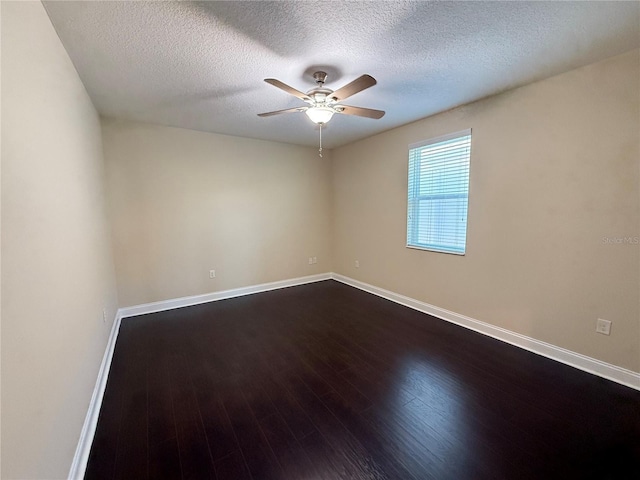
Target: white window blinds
<point x="439" y="193"/>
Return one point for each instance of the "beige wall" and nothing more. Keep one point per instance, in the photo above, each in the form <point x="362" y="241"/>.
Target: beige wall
<point x="184" y="202"/>
<point x="554" y="169"/>
<point x="57" y="268"/>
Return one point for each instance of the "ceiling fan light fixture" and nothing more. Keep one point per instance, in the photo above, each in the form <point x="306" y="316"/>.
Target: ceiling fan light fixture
<point x="320" y="115"/>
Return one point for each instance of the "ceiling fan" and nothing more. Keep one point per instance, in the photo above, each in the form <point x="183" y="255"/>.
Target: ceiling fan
<point x="323" y="102"/>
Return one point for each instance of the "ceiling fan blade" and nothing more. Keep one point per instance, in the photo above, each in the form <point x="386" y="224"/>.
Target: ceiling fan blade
<point x="361" y="112"/>
<point x="361" y="83"/>
<point x="287" y="110"/>
<point x="287" y="88"/>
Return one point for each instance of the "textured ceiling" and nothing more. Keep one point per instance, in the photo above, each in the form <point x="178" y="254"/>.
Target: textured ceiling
<point x="201" y="65"/>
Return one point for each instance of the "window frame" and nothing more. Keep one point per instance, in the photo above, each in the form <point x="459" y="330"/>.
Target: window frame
<point x="413" y="221"/>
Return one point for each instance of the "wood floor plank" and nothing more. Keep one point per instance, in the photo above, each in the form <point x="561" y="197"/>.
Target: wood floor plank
<point x="287" y="450"/>
<point x="132" y="453"/>
<point x="255" y="448"/>
<point x="357" y="461"/>
<point x="326" y="462"/>
<point x="161" y="422"/>
<point x="289" y="409"/>
<point x="371" y="440"/>
<point x="221" y="439"/>
<point x="231" y="467"/>
<point x="193" y="447"/>
<point x="337" y="383"/>
<point x="164" y="460"/>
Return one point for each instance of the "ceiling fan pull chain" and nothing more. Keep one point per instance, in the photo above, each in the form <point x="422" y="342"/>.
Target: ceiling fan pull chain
<point x="320" y="150"/>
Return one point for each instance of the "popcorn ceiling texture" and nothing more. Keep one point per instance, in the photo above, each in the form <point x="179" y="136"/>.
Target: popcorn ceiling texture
<point x="200" y="65"/>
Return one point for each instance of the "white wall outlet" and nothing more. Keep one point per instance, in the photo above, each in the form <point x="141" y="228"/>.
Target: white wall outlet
<point x="212" y="274"/>
<point x="603" y="326"/>
<point x="104" y="315"/>
<point x="315" y="260"/>
<point x="310" y="260"/>
<point x="357" y="263"/>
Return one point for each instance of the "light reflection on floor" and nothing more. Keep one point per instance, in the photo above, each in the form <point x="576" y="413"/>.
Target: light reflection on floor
<point x="434" y="418"/>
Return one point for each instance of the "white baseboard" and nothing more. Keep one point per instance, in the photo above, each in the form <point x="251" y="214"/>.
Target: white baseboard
<point x="215" y="296"/>
<point x="79" y="464"/>
<point x="577" y="360"/>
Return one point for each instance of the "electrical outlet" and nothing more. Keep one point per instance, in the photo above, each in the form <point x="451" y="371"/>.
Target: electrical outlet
<point x="212" y="274"/>
<point x="357" y="263"/>
<point x="315" y="260"/>
<point x="603" y="326"/>
<point x="104" y="315"/>
<point x="310" y="260"/>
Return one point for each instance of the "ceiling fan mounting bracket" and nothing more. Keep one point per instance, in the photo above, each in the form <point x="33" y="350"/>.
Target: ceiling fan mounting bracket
<point x="320" y="77"/>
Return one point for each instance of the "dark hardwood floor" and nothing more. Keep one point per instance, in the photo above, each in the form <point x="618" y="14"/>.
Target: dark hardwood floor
<point x="323" y="381"/>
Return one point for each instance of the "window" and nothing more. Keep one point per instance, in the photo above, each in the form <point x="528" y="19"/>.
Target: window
<point x="439" y="193"/>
